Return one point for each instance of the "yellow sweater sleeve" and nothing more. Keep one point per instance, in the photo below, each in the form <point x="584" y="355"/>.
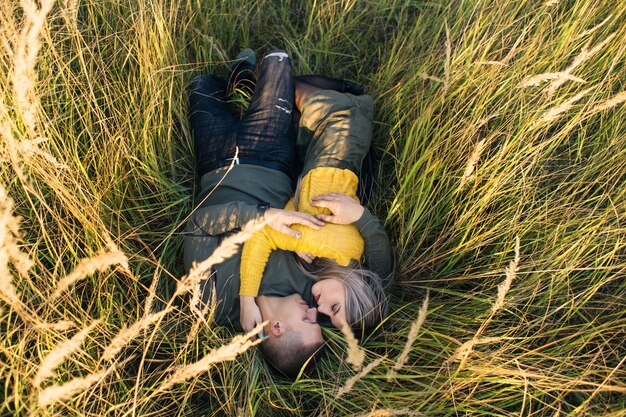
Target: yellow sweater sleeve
<point x="339" y="242"/>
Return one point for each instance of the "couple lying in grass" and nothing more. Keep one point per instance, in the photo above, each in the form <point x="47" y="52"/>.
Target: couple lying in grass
<point x="313" y="131"/>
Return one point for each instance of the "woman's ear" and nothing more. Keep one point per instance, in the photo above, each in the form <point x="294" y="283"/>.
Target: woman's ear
<point x="275" y="328"/>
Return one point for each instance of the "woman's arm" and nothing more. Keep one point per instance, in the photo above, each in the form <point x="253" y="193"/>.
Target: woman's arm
<point x="378" y="253"/>
<point x="284" y="230"/>
<point x="339" y="242"/>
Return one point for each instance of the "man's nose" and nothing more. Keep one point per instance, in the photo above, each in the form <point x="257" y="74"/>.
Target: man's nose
<point x="312" y="314"/>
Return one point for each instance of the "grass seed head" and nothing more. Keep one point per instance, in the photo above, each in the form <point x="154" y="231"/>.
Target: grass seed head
<point x="127" y="334"/>
<point x="617" y="99"/>
<point x="58" y="354"/>
<point x="413" y="332"/>
<point x="356" y="355"/>
<point x="347" y="387"/>
<point x="63" y="392"/>
<point x="555" y="112"/>
<point x="103" y="260"/>
<point x="548" y="76"/>
<point x="238" y="345"/>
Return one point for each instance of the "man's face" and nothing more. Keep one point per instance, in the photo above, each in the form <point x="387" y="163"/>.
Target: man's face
<point x="296" y="316"/>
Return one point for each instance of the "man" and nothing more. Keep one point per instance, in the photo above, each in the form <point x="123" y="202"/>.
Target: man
<point x="261" y="179"/>
<point x="259" y="182"/>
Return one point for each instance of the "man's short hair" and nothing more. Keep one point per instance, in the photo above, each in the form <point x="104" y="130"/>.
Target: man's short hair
<point x="287" y="354"/>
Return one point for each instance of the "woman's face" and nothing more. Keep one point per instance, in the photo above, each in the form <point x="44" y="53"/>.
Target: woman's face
<point x="330" y="296"/>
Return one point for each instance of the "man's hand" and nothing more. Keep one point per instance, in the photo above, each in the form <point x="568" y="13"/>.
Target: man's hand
<point x="280" y="220"/>
<point x="345" y="210"/>
<point x="249" y="313"/>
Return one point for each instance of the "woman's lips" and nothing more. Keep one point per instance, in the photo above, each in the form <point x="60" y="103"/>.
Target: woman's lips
<point x="317" y="298"/>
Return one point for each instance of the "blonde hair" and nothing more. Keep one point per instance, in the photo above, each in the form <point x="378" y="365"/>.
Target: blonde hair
<point x="366" y="303"/>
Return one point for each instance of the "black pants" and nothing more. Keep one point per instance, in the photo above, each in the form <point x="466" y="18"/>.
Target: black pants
<point x="264" y="135"/>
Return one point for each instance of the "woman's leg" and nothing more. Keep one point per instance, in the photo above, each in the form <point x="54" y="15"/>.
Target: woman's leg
<point x="211" y="122"/>
<point x="266" y="135"/>
<point x="335" y="130"/>
<point x="329" y="83"/>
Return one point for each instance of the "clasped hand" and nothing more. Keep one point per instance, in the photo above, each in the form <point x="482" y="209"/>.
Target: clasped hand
<point x="344" y="209"/>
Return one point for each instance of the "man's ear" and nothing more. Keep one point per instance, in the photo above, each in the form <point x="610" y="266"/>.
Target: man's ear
<point x="275" y="328"/>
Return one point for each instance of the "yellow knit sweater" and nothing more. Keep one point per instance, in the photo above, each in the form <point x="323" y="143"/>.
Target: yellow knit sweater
<point x="339" y="242"/>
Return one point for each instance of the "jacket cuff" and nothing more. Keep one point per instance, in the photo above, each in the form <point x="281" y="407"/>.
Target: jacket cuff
<point x="366" y="219"/>
<point x="247" y="213"/>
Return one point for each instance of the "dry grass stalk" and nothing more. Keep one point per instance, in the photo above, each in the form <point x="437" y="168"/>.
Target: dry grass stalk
<point x="413" y="332"/>
<point x="62" y="350"/>
<point x="496" y="63"/>
<point x="619" y="98"/>
<point x="30" y="149"/>
<point x="593" y="29"/>
<point x="356" y="355"/>
<point x="238" y="345"/>
<point x="59" y="326"/>
<point x="11" y="145"/>
<point x="205" y="316"/>
<point x="195" y="301"/>
<point x="24" y="75"/>
<point x="9" y="26"/>
<point x="463" y="351"/>
<point x="10" y="251"/>
<point x="471" y="163"/>
<point x="389" y="412"/>
<point x="347" y="387"/>
<point x="425" y="76"/>
<point x="225" y="250"/>
<point x="504" y="286"/>
<point x="556" y="111"/>
<point x="59" y="393"/>
<point x="550" y="3"/>
<point x="548" y="76"/>
<point x="583" y="56"/>
<point x="151" y="292"/>
<point x="448" y="60"/>
<point x="126" y="334"/>
<point x="103" y="259"/>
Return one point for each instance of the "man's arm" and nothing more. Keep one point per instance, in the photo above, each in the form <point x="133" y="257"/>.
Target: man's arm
<point x="222" y="218"/>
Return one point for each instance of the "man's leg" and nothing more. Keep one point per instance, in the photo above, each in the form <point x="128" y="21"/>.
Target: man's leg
<point x="242" y="75"/>
<point x="213" y="125"/>
<point x="266" y="133"/>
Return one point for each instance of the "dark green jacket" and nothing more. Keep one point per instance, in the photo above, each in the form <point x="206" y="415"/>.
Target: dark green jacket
<point x="335" y="130"/>
<point x="233" y="203"/>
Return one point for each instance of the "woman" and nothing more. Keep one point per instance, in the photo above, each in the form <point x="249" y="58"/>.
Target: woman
<point x="333" y="137"/>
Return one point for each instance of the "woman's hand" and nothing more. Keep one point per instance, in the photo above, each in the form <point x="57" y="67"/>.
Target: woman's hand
<point x="345" y="210"/>
<point x="280" y="220"/>
<point x="249" y="313"/>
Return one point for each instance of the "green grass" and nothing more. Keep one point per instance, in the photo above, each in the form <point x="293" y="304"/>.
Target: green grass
<point x="117" y="166"/>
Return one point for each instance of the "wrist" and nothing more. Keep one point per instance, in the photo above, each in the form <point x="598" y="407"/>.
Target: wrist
<point x="358" y="213"/>
<point x="246" y="299"/>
